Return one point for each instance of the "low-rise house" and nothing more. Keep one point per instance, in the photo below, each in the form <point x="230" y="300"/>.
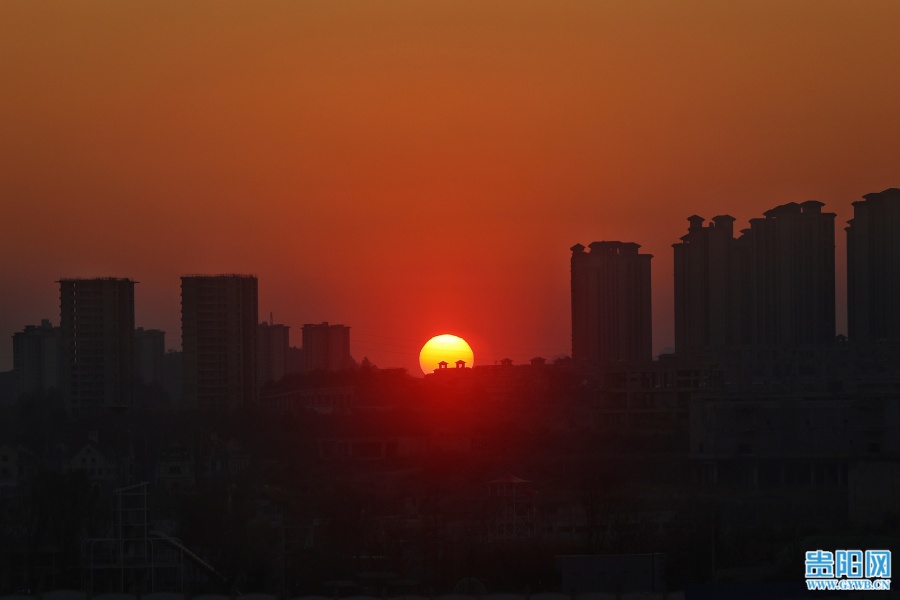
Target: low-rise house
<point x="223" y="460"/>
<point x="175" y="467"/>
<point x="104" y="461"/>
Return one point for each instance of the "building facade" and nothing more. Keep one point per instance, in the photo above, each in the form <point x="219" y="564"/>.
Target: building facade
<point x="611" y="319"/>
<point x="791" y="278"/>
<point x="149" y="353"/>
<point x="218" y="326"/>
<point x="36" y="358"/>
<point x="97" y="343"/>
<point x="873" y="268"/>
<point x="272" y="342"/>
<point x="326" y="347"/>
<point x="709" y="306"/>
<point x="773" y="285"/>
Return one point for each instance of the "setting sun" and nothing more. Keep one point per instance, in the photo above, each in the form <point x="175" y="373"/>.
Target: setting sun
<point x="447" y="348"/>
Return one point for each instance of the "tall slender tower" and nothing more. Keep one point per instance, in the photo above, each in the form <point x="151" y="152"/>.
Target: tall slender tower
<point x="218" y="329"/>
<point x="873" y="267"/>
<point x="97" y="343"/>
<point x="611" y="318"/>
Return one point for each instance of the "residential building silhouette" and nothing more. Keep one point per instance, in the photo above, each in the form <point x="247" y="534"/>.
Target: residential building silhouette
<point x="611" y="319"/>
<point x="873" y="268"/>
<point x="36" y="351"/>
<point x="272" y="342"/>
<point x="708" y="300"/>
<point x="218" y="327"/>
<point x="791" y="275"/>
<point x="326" y="347"/>
<point x="149" y="352"/>
<point x="97" y="343"/>
<point x="772" y="285"/>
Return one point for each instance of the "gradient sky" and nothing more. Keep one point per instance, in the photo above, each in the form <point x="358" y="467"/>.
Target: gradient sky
<point x="412" y="168"/>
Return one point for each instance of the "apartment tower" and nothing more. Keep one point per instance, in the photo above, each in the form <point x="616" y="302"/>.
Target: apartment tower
<point x="36" y="358"/>
<point x="149" y="354"/>
<point x="611" y="320"/>
<point x="272" y="344"/>
<point x="97" y="343"/>
<point x="326" y="347"/>
<point x="873" y="267"/>
<point x="218" y="329"/>
<point x="773" y="285"/>
<point x="708" y="303"/>
<point x="791" y="275"/>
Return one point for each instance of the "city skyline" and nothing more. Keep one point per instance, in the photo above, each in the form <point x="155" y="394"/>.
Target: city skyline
<point x="839" y="279"/>
<point x="666" y="234"/>
<point x="394" y="167"/>
<point x="803" y="227"/>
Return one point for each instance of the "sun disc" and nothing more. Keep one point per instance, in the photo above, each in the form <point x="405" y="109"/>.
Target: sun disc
<point x="447" y="348"/>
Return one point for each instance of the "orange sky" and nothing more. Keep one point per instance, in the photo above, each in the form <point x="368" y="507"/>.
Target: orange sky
<point x="412" y="168"/>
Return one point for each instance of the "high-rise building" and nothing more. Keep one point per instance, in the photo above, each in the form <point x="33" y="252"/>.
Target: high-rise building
<point x="611" y="320"/>
<point x="218" y="331"/>
<point x="97" y="343"/>
<point x="326" y="347"/>
<point x="36" y="358"/>
<point x="149" y="351"/>
<point x="772" y="285"/>
<point x="272" y="343"/>
<point x="708" y="299"/>
<point x="791" y="275"/>
<point x="873" y="267"/>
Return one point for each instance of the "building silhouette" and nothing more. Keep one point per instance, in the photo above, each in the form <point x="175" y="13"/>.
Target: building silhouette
<point x="791" y="275"/>
<point x="772" y="285"/>
<point x="218" y="328"/>
<point x="36" y="358"/>
<point x="326" y="347"/>
<point x="272" y="342"/>
<point x="149" y="352"/>
<point x="873" y="267"/>
<point x="611" y="318"/>
<point x="97" y="343"/>
<point x="708" y="285"/>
